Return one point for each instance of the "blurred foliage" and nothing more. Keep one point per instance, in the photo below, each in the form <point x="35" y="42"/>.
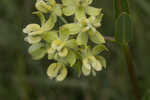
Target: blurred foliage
<point x="21" y="78"/>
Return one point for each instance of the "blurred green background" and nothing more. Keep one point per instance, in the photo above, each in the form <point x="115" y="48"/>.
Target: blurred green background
<point x="21" y="78"/>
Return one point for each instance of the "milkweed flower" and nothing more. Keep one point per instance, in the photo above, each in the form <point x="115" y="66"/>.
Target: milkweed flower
<point x="75" y="45"/>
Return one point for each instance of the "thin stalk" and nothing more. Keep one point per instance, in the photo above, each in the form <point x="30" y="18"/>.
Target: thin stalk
<point x="120" y="7"/>
<point x="131" y="71"/>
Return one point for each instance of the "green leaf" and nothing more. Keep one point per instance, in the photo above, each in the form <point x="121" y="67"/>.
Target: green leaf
<point x="123" y="28"/>
<point x="96" y="37"/>
<point x="93" y="11"/>
<point x="41" y="16"/>
<point x="102" y="60"/>
<point x="50" y="23"/>
<point x="73" y="28"/>
<point x="82" y="38"/>
<point x="42" y="6"/>
<point x="71" y="58"/>
<point x="50" y="36"/>
<point x="120" y="7"/>
<point x="68" y="10"/>
<point x="98" y="49"/>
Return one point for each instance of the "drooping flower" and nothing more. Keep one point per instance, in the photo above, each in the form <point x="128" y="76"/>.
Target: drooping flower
<point x="57" y="71"/>
<point x="91" y="62"/>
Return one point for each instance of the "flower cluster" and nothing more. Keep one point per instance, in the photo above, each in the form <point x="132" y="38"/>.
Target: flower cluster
<point x="76" y="44"/>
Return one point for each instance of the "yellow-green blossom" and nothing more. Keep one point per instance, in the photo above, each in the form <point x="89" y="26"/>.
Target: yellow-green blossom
<point x="34" y="30"/>
<point x="49" y="7"/>
<point x="90" y="64"/>
<point x="57" y="71"/>
<point x="80" y="8"/>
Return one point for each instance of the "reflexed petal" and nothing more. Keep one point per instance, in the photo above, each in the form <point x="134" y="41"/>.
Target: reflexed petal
<point x="89" y="1"/>
<point x="57" y="10"/>
<point x="50" y="23"/>
<point x="36" y="51"/>
<point x="62" y="75"/>
<point x="95" y="63"/>
<point x="73" y="28"/>
<point x="97" y="66"/>
<point x="31" y="28"/>
<point x="32" y="40"/>
<point x="67" y="2"/>
<point x="53" y="70"/>
<point x="63" y="33"/>
<point x="42" y="6"/>
<point x="71" y="44"/>
<point x="51" y="51"/>
<point x="98" y="49"/>
<point x="50" y="36"/>
<point x="41" y="16"/>
<point x="96" y="37"/>
<point x="52" y="2"/>
<point x="82" y="38"/>
<point x="56" y="43"/>
<point x="39" y="54"/>
<point x="93" y="73"/>
<point x="71" y="58"/>
<point x="63" y="53"/>
<point x="93" y="11"/>
<point x="86" y="71"/>
<point x="50" y="71"/>
<point x="91" y="19"/>
<point x="80" y="13"/>
<point x="35" y="47"/>
<point x="86" y="64"/>
<point x="97" y="22"/>
<point x="102" y="60"/>
<point x="69" y="10"/>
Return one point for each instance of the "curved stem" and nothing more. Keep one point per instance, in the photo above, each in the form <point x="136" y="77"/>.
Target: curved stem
<point x="132" y="73"/>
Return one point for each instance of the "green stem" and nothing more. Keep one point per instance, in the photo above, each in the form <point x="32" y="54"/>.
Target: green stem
<point x="63" y="19"/>
<point x="132" y="73"/>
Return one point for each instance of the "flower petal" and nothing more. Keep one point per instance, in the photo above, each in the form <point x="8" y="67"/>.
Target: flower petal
<point x="50" y="23"/>
<point x="31" y="28"/>
<point x="86" y="71"/>
<point x="42" y="6"/>
<point x="62" y="75"/>
<point x="69" y="10"/>
<point x="93" y="11"/>
<point x="96" y="37"/>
